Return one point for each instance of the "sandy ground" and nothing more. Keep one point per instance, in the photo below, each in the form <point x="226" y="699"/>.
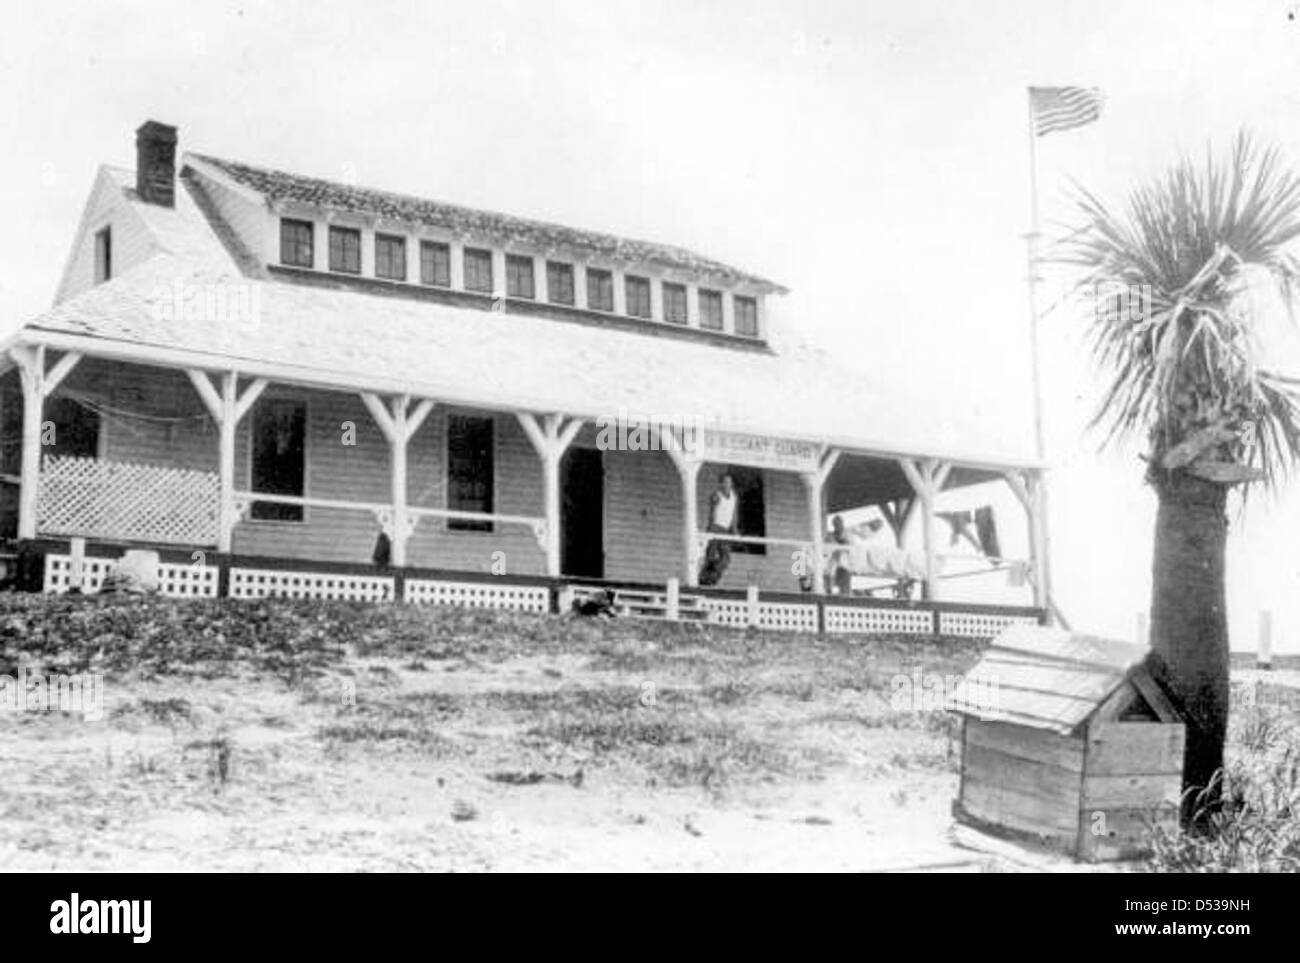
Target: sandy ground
<point x="140" y="790"/>
<point x="555" y="761"/>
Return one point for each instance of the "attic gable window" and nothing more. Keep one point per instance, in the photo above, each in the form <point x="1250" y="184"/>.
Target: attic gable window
<point x="559" y="282"/>
<point x="390" y="257"/>
<point x="296" y="243"/>
<point x="746" y="316"/>
<point x="638" y="296"/>
<point x="675" y="303"/>
<point x="103" y="254"/>
<point x="345" y="250"/>
<point x="478" y="270"/>
<point x="600" y="289"/>
<point x="435" y="264"/>
<point x="519" y="276"/>
<point x="710" y="309"/>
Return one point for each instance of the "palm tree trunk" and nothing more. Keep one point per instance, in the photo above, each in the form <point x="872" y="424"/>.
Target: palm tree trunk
<point x="1189" y="626"/>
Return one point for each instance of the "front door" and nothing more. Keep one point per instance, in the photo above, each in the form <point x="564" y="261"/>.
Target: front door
<point x="582" y="513"/>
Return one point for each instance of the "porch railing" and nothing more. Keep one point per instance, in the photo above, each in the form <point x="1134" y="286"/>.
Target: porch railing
<point x="116" y="501"/>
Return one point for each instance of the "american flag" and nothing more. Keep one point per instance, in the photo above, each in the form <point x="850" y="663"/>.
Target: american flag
<point x="1061" y="108"/>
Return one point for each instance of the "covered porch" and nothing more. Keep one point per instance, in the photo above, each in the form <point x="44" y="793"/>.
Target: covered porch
<point x="192" y="493"/>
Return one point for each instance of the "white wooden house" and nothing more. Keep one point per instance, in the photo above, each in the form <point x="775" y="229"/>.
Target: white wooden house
<point x="256" y="373"/>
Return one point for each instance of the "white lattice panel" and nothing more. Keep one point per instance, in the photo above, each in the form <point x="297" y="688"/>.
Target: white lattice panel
<point x="861" y="620"/>
<point x="179" y="581"/>
<point x="122" y="502"/>
<point x="728" y="611"/>
<point x="254" y="583"/>
<point x="188" y="581"/>
<point x="478" y="595"/>
<point x="58" y="573"/>
<point x="979" y="625"/>
<point x="787" y="616"/>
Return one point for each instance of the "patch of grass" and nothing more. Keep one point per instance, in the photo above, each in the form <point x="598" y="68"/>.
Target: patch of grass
<point x="1256" y="826"/>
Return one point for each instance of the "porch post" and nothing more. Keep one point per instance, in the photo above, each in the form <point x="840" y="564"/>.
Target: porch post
<point x="37" y="384"/>
<point x="927" y="477"/>
<point x="398" y="424"/>
<point x="227" y="409"/>
<point x="815" y="485"/>
<point x="1028" y="488"/>
<point x="550" y="438"/>
<point x="688" y="465"/>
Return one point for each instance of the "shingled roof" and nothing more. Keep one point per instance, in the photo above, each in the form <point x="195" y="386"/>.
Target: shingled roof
<point x="278" y="185"/>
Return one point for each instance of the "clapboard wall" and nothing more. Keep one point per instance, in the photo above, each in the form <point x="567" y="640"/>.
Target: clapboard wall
<point x="153" y="416"/>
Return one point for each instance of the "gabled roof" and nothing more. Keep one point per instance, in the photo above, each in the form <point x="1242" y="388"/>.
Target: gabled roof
<point x="278" y="185"/>
<point x="1048" y="678"/>
<point x="356" y="339"/>
<point x="362" y="341"/>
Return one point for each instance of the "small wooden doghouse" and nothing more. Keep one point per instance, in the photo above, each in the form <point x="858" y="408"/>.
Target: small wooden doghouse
<point x="1068" y="739"/>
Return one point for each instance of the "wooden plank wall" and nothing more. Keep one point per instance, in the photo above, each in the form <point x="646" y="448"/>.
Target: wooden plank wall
<point x="643" y="527"/>
<point x="1132" y="782"/>
<point x="1022" y="779"/>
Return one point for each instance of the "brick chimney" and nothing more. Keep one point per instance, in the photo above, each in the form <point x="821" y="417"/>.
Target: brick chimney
<point x="155" y="163"/>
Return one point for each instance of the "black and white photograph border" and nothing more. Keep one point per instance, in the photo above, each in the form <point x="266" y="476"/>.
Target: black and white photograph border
<point x="648" y="437"/>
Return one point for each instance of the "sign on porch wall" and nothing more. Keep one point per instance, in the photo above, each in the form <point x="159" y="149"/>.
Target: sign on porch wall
<point x="759" y="451"/>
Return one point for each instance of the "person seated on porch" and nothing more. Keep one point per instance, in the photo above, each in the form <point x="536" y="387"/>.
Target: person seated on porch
<point x="838" y="573"/>
<point x="723" y="518"/>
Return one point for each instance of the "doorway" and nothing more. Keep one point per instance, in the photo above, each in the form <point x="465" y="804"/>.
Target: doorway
<point x="582" y="513"/>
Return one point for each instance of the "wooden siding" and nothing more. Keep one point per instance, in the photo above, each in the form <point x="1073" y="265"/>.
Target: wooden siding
<point x="131" y="242"/>
<point x="248" y="219"/>
<point x="643" y="517"/>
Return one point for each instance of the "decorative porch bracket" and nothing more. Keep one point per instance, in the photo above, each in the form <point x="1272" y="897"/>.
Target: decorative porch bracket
<point x="694" y="542"/>
<point x="398" y="422"/>
<point x="227" y="408"/>
<point x="37" y="384"/>
<point x="1027" y="486"/>
<point x="815" y="486"/>
<point x="550" y="436"/>
<point x="927" y="477"/>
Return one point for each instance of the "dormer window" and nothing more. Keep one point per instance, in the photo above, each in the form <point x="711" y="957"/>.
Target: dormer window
<point x="746" y="316"/>
<point x="103" y="254"/>
<point x="638" y="296"/>
<point x="390" y="257"/>
<point x="710" y="309"/>
<point x="478" y="270"/>
<point x="559" y="282"/>
<point x="600" y="290"/>
<point x="675" y="303"/>
<point x="435" y="264"/>
<point x="519" y="276"/>
<point x="345" y="250"/>
<point x="296" y="243"/>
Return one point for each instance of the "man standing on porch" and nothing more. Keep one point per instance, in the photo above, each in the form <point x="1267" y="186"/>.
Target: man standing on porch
<point x="722" y="519"/>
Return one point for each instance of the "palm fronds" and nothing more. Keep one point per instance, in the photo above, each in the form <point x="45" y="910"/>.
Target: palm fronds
<point x="1186" y="250"/>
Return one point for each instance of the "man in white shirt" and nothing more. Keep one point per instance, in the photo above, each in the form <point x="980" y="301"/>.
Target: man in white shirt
<point x="724" y="512"/>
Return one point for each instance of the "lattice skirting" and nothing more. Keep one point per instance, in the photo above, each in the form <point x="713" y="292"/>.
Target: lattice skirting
<point x="861" y="620"/>
<point x="783" y="616"/>
<point x="479" y="595"/>
<point x="728" y="611"/>
<point x="254" y="583"/>
<point x="979" y="625"/>
<point x="178" y="581"/>
<point x="787" y="616"/>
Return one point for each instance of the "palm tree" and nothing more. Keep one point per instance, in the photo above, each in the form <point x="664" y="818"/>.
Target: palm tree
<point x="1176" y="280"/>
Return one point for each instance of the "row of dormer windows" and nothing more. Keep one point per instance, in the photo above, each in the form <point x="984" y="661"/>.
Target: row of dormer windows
<point x="297" y="249"/>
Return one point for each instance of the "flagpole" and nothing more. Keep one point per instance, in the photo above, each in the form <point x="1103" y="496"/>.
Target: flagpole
<point x="1045" y="565"/>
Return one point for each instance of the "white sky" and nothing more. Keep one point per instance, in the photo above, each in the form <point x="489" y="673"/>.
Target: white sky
<point x="871" y="156"/>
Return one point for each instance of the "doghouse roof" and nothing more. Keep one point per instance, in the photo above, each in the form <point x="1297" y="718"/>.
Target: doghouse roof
<point x="1056" y="680"/>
